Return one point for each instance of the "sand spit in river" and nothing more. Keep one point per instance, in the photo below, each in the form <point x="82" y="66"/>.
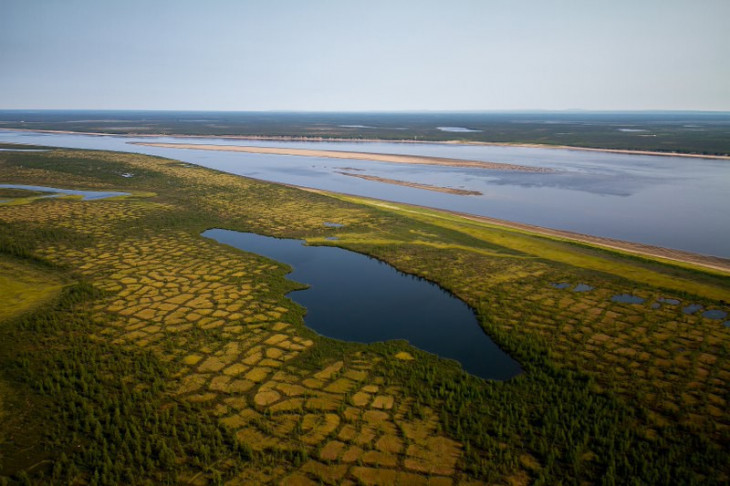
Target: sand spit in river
<point x="336" y="154"/>
<point x="416" y="185"/>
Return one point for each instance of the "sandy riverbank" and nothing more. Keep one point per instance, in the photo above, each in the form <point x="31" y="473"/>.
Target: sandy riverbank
<point x="428" y="187"/>
<point x="336" y="154"/>
<point x="705" y="261"/>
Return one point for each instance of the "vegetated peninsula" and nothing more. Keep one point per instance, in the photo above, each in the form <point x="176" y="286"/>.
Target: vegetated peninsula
<point x="134" y="350"/>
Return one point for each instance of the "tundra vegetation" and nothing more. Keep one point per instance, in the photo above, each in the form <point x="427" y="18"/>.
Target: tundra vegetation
<point x="135" y="351"/>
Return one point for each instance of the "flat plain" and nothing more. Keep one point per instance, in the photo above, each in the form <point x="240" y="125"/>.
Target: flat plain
<point x="139" y="352"/>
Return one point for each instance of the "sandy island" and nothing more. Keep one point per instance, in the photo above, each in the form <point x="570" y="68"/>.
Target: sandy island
<point x="337" y="154"/>
<point x="416" y="185"/>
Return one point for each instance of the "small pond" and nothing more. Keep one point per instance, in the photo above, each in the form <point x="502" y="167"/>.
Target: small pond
<point x="353" y="297"/>
<point x="665" y="300"/>
<point x="627" y="299"/>
<point x="55" y="192"/>
<point x="692" y="308"/>
<point x="582" y="288"/>
<point x="714" y="314"/>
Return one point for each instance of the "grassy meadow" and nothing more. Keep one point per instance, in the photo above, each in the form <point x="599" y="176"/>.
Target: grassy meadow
<point x="134" y="351"/>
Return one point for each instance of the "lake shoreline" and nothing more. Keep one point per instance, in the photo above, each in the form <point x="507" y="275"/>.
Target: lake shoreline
<point x="378" y="140"/>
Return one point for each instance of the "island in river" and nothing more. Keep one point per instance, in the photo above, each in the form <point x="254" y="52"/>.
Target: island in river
<point x="336" y="154"/>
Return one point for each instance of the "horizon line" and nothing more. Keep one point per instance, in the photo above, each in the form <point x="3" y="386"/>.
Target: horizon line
<point x="409" y="111"/>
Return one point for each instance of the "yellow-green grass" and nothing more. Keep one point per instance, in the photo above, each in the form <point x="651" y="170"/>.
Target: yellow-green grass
<point x="21" y="200"/>
<point x="553" y="249"/>
<point x="24" y="287"/>
<point x="238" y="351"/>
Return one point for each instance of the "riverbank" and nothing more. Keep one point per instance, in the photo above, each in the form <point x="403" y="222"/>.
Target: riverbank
<point x="379" y="140"/>
<point x="709" y="262"/>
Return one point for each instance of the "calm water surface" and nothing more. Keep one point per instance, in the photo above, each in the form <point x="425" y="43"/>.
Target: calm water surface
<point x="54" y="191"/>
<point x="672" y="202"/>
<point x="353" y="297"/>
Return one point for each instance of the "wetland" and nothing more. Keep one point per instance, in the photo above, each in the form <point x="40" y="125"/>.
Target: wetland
<point x="136" y="351"/>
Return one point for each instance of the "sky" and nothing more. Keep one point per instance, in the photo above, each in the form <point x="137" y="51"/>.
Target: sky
<point x="365" y="55"/>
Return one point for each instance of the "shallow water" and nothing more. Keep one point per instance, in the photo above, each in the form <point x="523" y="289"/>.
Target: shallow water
<point x="582" y="288"/>
<point x="692" y="308"/>
<point x="628" y="299"/>
<point x="561" y="285"/>
<point x="55" y="192"/>
<point x="353" y="297"/>
<point x="665" y="300"/>
<point x="714" y="314"/>
<point x="666" y="201"/>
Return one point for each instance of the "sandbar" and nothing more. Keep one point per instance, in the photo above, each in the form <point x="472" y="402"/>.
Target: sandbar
<point x="416" y="185"/>
<point x="337" y="154"/>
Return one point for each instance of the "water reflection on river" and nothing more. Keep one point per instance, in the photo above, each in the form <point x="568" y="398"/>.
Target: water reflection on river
<point x="665" y="201"/>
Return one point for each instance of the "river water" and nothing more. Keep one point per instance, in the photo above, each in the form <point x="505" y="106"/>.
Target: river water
<point x="673" y="202"/>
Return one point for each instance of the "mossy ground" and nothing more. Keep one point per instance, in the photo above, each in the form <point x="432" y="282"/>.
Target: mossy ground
<point x="25" y="286"/>
<point x="222" y="382"/>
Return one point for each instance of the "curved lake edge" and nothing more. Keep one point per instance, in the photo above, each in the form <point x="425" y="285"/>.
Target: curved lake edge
<point x="511" y="368"/>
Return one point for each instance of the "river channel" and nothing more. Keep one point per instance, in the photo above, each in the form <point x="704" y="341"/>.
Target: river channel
<point x="667" y="201"/>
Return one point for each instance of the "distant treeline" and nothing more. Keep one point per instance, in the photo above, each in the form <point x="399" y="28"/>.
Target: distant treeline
<point x="685" y="132"/>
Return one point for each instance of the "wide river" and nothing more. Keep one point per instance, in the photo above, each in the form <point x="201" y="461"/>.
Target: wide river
<point x="673" y="202"/>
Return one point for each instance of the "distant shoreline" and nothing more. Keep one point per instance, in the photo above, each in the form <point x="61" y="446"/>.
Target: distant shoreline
<point x="290" y="138"/>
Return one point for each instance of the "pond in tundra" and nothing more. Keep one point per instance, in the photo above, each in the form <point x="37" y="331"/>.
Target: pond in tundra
<point x="55" y="192"/>
<point x="353" y="297"/>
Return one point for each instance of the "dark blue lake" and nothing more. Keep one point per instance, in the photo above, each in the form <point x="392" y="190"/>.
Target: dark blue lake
<point x="353" y="297"/>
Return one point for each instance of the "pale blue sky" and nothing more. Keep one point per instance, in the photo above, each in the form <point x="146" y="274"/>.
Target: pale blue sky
<point x="365" y="55"/>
